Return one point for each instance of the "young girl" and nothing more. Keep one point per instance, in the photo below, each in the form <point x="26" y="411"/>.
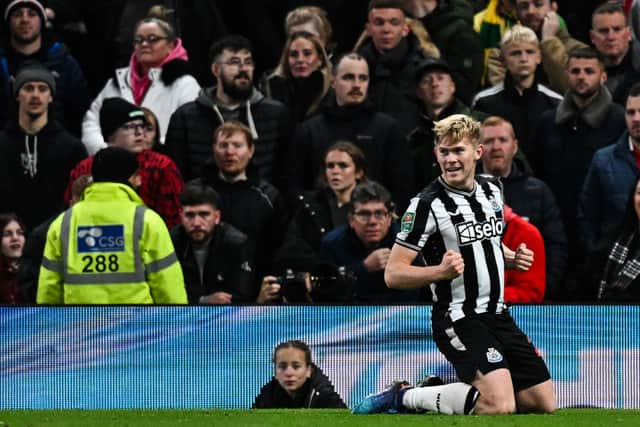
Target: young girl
<point x="12" y="245"/>
<point x="297" y="383"/>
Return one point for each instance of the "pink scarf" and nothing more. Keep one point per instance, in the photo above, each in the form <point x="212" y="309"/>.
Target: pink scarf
<point x="141" y="82"/>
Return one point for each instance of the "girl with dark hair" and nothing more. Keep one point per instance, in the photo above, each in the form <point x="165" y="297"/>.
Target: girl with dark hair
<point x="11" y="250"/>
<point x="321" y="210"/>
<point x="298" y="382"/>
<point x="620" y="279"/>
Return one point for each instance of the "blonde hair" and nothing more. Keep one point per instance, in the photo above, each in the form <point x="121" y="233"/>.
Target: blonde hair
<point x="494" y="121"/>
<point x="519" y="34"/>
<point x="457" y="127"/>
<point x="316" y="15"/>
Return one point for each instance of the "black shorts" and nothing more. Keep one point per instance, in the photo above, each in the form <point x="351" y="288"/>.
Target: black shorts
<point x="486" y="342"/>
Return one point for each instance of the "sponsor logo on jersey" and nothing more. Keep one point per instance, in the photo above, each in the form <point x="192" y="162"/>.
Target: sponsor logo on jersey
<point x="469" y="231"/>
<point x="493" y="355"/>
<point x="100" y="238"/>
<point x="407" y="222"/>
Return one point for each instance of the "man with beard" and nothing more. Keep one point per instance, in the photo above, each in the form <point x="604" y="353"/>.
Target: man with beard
<point x="36" y="153"/>
<point x="349" y="116"/>
<point x="27" y="41"/>
<point x="189" y="137"/>
<point x="214" y="255"/>
<point x="565" y="140"/>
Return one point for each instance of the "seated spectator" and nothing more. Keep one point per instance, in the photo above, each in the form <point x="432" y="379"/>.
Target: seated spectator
<point x="529" y="197"/>
<point x="157" y="77"/>
<point x="29" y="270"/>
<point x="13" y="232"/>
<point x="298" y="382"/>
<point x="349" y="116"/>
<point x="250" y="204"/>
<point x="36" y="152"/>
<point x="611" y="176"/>
<point x="124" y="125"/>
<point x="363" y="245"/>
<point x="320" y="211"/>
<point x="555" y="44"/>
<point x="151" y="130"/>
<point x="215" y="256"/>
<point x="302" y="77"/>
<point x="392" y="45"/>
<point x="519" y="98"/>
<point x="523" y="286"/>
<point x="450" y="26"/>
<point x="27" y="40"/>
<point x="232" y="98"/>
<point x="620" y="278"/>
<point x="436" y="90"/>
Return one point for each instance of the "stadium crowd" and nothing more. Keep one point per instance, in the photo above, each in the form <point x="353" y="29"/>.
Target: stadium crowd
<point x="251" y="154"/>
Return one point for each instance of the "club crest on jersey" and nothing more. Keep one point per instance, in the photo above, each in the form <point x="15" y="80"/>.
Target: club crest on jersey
<point x="469" y="232"/>
<point x="494" y="204"/>
<point x="407" y="222"/>
<point x="493" y="355"/>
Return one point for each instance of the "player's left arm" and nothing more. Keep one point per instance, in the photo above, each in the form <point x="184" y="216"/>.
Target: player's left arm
<point x="521" y="259"/>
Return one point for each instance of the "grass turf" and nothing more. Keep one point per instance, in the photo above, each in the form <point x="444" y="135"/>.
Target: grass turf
<point x="333" y="418"/>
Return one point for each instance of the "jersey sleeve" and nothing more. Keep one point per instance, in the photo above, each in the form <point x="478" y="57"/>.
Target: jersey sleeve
<point x="417" y="224"/>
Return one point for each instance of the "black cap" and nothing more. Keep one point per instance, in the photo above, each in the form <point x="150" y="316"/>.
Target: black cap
<point x="116" y="112"/>
<point x="114" y="164"/>
<point x="431" y="63"/>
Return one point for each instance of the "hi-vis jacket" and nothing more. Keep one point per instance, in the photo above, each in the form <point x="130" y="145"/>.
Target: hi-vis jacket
<point x="109" y="248"/>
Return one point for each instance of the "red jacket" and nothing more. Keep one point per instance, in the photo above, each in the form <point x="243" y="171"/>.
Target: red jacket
<point x="161" y="184"/>
<point x="524" y="286"/>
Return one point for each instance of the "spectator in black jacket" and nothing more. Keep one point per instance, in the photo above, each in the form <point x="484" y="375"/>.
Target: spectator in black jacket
<point x="215" y="256"/>
<point x="298" y="382"/>
<point x="529" y="197"/>
<point x="247" y="202"/>
<point x="320" y="211"/>
<point x="350" y="117"/>
<point x="36" y="152"/>
<point x="189" y="137"/>
<point x="519" y="98"/>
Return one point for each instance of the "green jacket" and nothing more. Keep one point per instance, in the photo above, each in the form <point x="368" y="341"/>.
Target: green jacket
<point x="109" y="248"/>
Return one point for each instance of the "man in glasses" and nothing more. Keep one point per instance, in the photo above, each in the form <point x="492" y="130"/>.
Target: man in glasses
<point x="123" y="125"/>
<point x="362" y="246"/>
<point x="233" y="97"/>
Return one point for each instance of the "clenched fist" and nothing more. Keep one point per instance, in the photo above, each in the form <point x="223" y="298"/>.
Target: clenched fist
<point x="452" y="264"/>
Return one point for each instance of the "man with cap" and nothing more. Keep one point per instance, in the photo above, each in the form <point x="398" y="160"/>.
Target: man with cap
<point x="36" y="153"/>
<point x="25" y="21"/>
<point x="109" y="248"/>
<point x="123" y="125"/>
<point x="436" y="91"/>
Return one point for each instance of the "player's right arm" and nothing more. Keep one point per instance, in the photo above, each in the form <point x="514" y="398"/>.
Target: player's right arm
<point x="400" y="274"/>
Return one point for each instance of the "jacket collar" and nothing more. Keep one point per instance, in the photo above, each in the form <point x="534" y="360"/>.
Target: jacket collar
<point x="593" y="115"/>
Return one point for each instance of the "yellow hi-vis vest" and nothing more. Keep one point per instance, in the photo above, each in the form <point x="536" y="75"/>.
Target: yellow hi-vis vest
<point x="110" y="249"/>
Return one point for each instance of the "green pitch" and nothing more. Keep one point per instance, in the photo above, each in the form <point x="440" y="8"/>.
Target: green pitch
<point x="325" y="418"/>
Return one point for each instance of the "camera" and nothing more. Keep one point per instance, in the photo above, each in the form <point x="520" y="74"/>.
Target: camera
<point x="325" y="283"/>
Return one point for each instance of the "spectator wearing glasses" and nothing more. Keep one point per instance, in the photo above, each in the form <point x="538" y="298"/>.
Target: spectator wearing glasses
<point x="157" y="78"/>
<point x="362" y="246"/>
<point x="124" y="125"/>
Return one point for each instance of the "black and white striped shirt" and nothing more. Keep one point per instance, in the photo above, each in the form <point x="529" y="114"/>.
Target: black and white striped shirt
<point x="471" y="223"/>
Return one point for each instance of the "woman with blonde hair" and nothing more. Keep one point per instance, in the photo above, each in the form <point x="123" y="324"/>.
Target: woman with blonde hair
<point x="302" y="77"/>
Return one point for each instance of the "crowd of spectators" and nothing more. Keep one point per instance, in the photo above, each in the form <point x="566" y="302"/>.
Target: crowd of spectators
<point x="280" y="146"/>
